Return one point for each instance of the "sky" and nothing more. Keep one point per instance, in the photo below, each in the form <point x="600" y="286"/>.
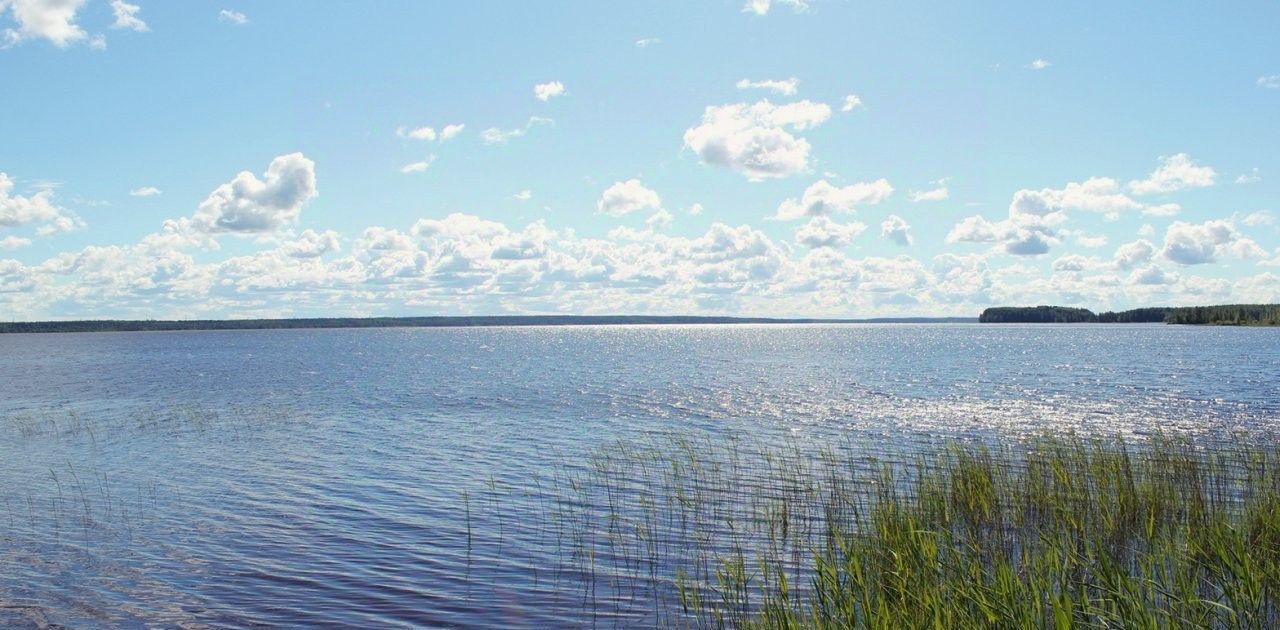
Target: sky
<point x="826" y="158"/>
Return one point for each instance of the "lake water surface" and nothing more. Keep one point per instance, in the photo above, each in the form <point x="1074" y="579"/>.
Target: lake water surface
<point x="384" y="477"/>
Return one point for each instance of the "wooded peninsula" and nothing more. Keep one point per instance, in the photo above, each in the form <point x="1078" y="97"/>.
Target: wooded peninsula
<point x="1222" y="315"/>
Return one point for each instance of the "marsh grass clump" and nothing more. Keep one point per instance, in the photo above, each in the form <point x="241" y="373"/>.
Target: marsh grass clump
<point x="1049" y="532"/>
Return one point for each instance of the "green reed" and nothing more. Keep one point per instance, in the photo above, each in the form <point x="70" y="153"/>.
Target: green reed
<point x="1051" y="532"/>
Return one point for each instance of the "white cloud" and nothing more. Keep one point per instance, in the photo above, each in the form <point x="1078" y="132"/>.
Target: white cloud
<point x="248" y="205"/>
<point x="851" y="101"/>
<point x="494" y="135"/>
<point x="1022" y="234"/>
<point x="660" y="220"/>
<point x="1132" y="254"/>
<point x="1251" y="177"/>
<point x="623" y="198"/>
<point x="420" y="166"/>
<point x="126" y="16"/>
<point x="523" y="195"/>
<point x="14" y="242"/>
<point x="821" y="199"/>
<point x="384" y="239"/>
<point x="1177" y="172"/>
<point x="1091" y="241"/>
<point x="429" y="134"/>
<point x="1152" y="275"/>
<point x="52" y="20"/>
<point x="451" y="131"/>
<point x="761" y="7"/>
<point x="756" y="140"/>
<point x="1260" y="217"/>
<point x="1269" y="81"/>
<point x="821" y="231"/>
<point x="647" y="42"/>
<point x="937" y="194"/>
<point x="312" y="244"/>
<point x="974" y="229"/>
<point x="1098" y="194"/>
<point x="894" y="228"/>
<point x="1200" y="243"/>
<point x="232" y="17"/>
<point x="17" y="210"/>
<point x="694" y="209"/>
<point x="1039" y="64"/>
<point x="144" y="191"/>
<point x="546" y="91"/>
<point x="420" y="133"/>
<point x="1147" y="230"/>
<point x="1074" y="263"/>
<point x="1162" y="210"/>
<point x="786" y="87"/>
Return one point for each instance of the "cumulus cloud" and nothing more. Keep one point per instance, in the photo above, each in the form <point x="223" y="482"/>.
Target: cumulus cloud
<point x="1201" y="243"/>
<point x="821" y="231"/>
<point x="1271" y="81"/>
<point x="249" y="205"/>
<point x="312" y="244"/>
<point x="623" y="198"/>
<point x="660" y="220"/>
<point x="786" y="87"/>
<point x="762" y="7"/>
<point x="822" y="198"/>
<point x="232" y="17"/>
<point x="1039" y="64"/>
<point x="895" y="229"/>
<point x="647" y="42"/>
<point x="1177" y="172"/>
<point x="1097" y="194"/>
<point x="756" y="140"/>
<point x="546" y="91"/>
<point x="52" y="20"/>
<point x="1132" y="254"/>
<point x="126" y="16"/>
<point x="144" y="191"/>
<point x="18" y="210"/>
<point x="523" y="195"/>
<point x="851" y="101"/>
<point x="1020" y="235"/>
<point x="1152" y="275"/>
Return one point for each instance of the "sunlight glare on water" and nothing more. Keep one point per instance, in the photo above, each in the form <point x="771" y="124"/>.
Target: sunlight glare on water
<point x="351" y="477"/>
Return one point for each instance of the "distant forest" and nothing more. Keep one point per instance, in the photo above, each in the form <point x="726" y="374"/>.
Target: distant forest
<point x="116" y="325"/>
<point x="1223" y="315"/>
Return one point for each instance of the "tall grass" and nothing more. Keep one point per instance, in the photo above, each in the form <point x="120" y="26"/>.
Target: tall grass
<point x="1053" y="532"/>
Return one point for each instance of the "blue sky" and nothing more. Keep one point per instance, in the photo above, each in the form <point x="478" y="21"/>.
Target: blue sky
<point x="826" y="158"/>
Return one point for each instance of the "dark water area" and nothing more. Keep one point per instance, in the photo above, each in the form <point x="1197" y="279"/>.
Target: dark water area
<point x="395" y="477"/>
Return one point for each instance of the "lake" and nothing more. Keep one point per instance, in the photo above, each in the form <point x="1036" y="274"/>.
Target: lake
<point x="385" y="477"/>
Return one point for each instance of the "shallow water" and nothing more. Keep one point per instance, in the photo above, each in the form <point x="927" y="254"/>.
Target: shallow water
<point x="389" y="476"/>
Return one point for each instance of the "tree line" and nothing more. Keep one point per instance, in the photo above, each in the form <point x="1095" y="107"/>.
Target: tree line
<point x="1222" y="315"/>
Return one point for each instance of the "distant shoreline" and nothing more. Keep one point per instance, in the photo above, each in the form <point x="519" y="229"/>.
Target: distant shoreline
<point x="114" y="325"/>
<point x="1215" y="315"/>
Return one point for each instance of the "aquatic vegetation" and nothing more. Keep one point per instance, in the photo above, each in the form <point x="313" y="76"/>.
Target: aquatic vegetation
<point x="1055" y="531"/>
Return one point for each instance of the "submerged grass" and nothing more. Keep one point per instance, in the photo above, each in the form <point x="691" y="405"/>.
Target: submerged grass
<point x="1052" y="532"/>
